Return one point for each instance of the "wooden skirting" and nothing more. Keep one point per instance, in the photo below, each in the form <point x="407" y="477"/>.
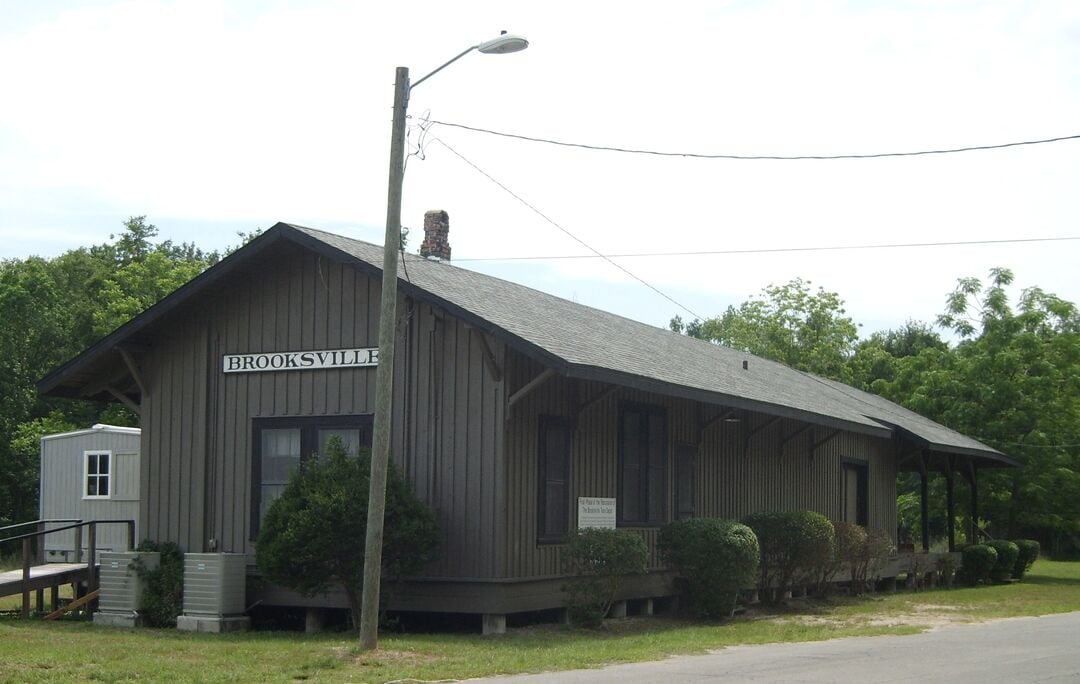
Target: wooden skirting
<point x="448" y="596"/>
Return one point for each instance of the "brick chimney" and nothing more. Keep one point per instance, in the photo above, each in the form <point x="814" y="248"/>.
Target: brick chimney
<point x="436" y="244"/>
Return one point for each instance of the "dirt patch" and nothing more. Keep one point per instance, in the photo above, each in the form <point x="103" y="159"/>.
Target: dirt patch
<point x="384" y="657"/>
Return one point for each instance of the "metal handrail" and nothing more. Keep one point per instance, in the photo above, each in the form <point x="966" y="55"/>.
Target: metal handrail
<point x="78" y="524"/>
<point x="39" y="522"/>
<point x="91" y="549"/>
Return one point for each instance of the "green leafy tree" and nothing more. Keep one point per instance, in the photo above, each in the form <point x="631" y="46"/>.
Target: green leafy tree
<point x="1013" y="381"/>
<point x="313" y="536"/>
<point x="53" y="309"/>
<point x="789" y="323"/>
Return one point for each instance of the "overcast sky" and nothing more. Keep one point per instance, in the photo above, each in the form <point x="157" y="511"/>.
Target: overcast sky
<point x="214" y="117"/>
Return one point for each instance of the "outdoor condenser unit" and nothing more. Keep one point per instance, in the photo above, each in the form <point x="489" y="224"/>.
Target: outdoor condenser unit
<point x="214" y="584"/>
<point x="121" y="586"/>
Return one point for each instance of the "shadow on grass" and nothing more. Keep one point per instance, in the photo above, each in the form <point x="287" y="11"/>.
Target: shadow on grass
<point x="1051" y="581"/>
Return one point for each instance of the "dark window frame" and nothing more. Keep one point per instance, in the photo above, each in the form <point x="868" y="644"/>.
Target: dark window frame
<point x="309" y="427"/>
<point x="862" y="493"/>
<point x="645" y="503"/>
<point x="685" y="509"/>
<point x="543" y="536"/>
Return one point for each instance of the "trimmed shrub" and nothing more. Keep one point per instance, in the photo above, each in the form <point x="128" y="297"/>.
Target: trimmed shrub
<point x="716" y="559"/>
<point x="163" y="586"/>
<point x="598" y="559"/>
<point x="1029" y="553"/>
<point x="846" y="538"/>
<point x="793" y="544"/>
<point x="977" y="560"/>
<point x="312" y="538"/>
<point x="863" y="551"/>
<point x="1007" y="553"/>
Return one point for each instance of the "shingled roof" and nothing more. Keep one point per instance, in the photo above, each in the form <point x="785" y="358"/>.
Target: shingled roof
<point x="584" y="342"/>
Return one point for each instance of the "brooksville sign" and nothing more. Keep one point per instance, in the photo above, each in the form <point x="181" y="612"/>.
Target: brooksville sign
<point x="300" y="360"/>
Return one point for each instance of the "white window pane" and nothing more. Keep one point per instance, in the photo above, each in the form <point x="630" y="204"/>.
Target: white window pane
<point x="280" y="456"/>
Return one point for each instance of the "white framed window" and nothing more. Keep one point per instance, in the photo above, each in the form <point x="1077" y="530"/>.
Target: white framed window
<point x="97" y="483"/>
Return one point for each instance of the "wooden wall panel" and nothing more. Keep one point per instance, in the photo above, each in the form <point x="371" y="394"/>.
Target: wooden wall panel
<point x="773" y="471"/>
<point x="446" y="434"/>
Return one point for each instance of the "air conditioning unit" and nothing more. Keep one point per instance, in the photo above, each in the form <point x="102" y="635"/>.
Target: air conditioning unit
<point x="121" y="586"/>
<point x="214" y="588"/>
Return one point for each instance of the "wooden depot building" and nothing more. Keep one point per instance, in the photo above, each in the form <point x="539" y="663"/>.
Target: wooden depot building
<point x="518" y="416"/>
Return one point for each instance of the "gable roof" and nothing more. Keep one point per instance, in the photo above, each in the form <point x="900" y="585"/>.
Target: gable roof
<point x="583" y="342"/>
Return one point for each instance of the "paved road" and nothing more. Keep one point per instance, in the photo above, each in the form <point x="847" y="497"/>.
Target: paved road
<point x="1044" y="649"/>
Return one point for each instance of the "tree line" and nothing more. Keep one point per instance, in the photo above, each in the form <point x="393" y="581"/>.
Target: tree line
<point x="53" y="309"/>
<point x="1004" y="372"/>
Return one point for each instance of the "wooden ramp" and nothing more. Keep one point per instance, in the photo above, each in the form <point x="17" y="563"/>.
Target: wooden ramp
<point x="42" y="577"/>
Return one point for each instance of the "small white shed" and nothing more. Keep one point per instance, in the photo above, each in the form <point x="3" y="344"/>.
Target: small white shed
<point x="90" y="475"/>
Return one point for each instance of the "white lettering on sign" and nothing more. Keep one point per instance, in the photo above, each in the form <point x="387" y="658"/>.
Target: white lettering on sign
<point x="593" y="511"/>
<point x="300" y="360"/>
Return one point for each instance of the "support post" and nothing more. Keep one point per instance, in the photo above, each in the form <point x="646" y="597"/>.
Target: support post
<point x="91" y="562"/>
<point x="78" y="544"/>
<point x="974" y="483"/>
<point x="924" y="502"/>
<point x="384" y="374"/>
<point x="494" y="623"/>
<point x="26" y="558"/>
<point x="950" y="503"/>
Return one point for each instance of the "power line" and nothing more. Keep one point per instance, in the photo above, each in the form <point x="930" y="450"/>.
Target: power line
<point x="775" y="250"/>
<point x="564" y="230"/>
<point x="744" y="157"/>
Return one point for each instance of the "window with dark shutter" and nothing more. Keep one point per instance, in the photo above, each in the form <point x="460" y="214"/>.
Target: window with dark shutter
<point x="685" y="469"/>
<point x="553" y="478"/>
<point x="854" y="488"/>
<point x="642" y="465"/>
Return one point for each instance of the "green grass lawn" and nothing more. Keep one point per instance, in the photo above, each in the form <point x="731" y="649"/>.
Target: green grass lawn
<point x="37" y="651"/>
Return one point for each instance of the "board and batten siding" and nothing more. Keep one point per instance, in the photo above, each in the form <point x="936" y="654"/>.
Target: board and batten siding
<point x="447" y="428"/>
<point x="730" y="480"/>
<point x="63" y="482"/>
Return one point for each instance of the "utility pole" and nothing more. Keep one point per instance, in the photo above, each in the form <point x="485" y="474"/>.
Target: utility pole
<point x="384" y="373"/>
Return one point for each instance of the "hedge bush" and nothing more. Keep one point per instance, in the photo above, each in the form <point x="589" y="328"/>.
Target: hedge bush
<point x="597" y="559"/>
<point x="794" y="546"/>
<point x="1029" y="553"/>
<point x="977" y="561"/>
<point x="715" y="558"/>
<point x="1007" y="553"/>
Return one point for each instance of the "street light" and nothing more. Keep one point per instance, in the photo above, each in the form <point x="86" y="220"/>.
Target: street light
<point x="384" y="374"/>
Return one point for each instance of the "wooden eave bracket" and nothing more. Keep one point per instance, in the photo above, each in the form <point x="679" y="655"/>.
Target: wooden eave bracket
<point x="761" y="428"/>
<point x="904" y="458"/>
<point x="795" y="435"/>
<point x="124" y="399"/>
<point x="822" y="442"/>
<point x="718" y="418"/>
<point x="133" y="368"/>
<point x="604" y="394"/>
<point x="489" y="356"/>
<point x="529" y="387"/>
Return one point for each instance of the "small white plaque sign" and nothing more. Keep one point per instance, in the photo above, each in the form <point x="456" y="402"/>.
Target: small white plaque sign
<point x="594" y="511"/>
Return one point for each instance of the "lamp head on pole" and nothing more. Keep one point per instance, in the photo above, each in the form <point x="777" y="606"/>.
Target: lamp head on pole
<point x="504" y="44"/>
